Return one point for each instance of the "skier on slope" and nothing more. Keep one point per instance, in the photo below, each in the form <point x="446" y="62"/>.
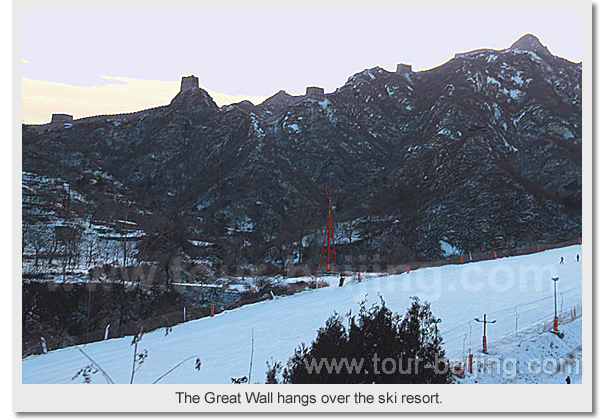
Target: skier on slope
<point x="562" y="260"/>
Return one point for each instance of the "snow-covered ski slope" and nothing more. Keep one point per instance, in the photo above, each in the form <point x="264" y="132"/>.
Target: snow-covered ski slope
<point x="457" y="293"/>
<point x="532" y="357"/>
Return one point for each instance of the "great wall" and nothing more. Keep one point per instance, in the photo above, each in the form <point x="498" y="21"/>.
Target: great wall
<point x="65" y="121"/>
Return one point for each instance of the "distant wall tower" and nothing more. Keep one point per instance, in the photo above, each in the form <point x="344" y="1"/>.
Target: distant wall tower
<point x="189" y="82"/>
<point x="315" y="92"/>
<point x="403" y="68"/>
<point x="61" y="120"/>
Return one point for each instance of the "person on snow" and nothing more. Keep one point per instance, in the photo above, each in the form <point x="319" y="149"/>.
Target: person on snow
<point x="577" y="257"/>
<point x="562" y="260"/>
<point x="341" y="280"/>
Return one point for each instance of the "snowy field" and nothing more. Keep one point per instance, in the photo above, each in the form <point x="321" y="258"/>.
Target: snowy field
<point x="517" y="292"/>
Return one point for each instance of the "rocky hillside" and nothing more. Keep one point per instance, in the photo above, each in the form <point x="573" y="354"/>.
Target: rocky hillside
<point x="482" y="152"/>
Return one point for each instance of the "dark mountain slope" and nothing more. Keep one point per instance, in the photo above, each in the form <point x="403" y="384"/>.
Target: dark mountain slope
<point x="482" y="152"/>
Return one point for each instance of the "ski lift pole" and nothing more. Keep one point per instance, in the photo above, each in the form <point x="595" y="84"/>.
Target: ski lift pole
<point x="555" y="280"/>
<point x="470" y="369"/>
<point x="329" y="239"/>
<point x="485" y="322"/>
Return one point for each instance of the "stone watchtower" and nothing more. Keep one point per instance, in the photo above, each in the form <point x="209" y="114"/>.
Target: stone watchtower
<point x="189" y="82"/>
<point x="61" y="120"/>
<point x="403" y="68"/>
<point x="314" y="92"/>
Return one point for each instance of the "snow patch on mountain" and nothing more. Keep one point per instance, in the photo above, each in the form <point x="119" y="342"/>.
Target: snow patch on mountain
<point x="448" y="249"/>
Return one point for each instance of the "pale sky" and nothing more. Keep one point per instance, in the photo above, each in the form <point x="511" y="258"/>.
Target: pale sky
<point x="88" y="63"/>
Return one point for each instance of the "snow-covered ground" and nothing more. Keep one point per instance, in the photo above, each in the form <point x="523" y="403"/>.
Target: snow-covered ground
<point x="531" y="356"/>
<point x="517" y="292"/>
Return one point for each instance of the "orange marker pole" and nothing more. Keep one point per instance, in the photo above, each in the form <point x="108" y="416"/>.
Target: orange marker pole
<point x="408" y="270"/>
<point x="212" y="310"/>
<point x="470" y="363"/>
<point x="484" y="344"/>
<point x="359" y="277"/>
<point x="495" y="255"/>
<point x="461" y="259"/>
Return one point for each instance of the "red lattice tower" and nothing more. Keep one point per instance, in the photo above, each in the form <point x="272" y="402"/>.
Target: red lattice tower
<point x="330" y="194"/>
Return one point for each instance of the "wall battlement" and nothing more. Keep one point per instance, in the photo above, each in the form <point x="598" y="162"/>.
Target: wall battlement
<point x="66" y="120"/>
<point x="62" y="119"/>
<point x="474" y="53"/>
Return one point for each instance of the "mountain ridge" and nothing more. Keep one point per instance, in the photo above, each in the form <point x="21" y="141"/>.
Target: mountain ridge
<point x="482" y="152"/>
